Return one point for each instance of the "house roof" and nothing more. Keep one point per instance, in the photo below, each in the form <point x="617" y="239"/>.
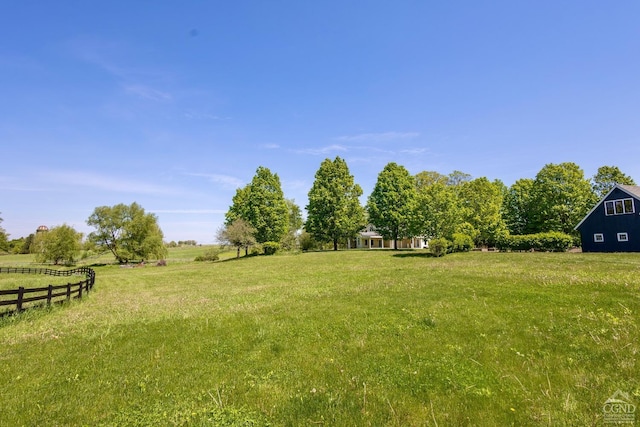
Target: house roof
<point x="632" y="190"/>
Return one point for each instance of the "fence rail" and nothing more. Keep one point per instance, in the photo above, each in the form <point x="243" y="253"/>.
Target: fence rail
<point x="47" y="294"/>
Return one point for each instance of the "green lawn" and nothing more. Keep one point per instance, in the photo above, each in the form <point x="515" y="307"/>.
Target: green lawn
<point x="348" y="338"/>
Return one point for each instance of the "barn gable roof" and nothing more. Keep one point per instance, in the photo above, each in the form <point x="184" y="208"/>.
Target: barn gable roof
<point x="632" y="190"/>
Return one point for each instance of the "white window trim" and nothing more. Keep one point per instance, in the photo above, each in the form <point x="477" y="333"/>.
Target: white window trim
<point x="623" y="237"/>
<point x="598" y="237"/>
<point x="624" y="212"/>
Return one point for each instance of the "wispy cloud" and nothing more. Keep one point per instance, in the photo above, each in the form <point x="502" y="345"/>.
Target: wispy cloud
<point x="136" y="81"/>
<point x="324" y="150"/>
<point x="377" y="137"/>
<point x="414" y="151"/>
<point x="108" y="183"/>
<point x="196" y="115"/>
<point x="147" y="92"/>
<point x="226" y="181"/>
<point x="271" y="146"/>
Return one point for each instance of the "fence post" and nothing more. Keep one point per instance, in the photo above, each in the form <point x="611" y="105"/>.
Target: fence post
<point x="49" y="292"/>
<point x="20" y="296"/>
<point x="80" y="290"/>
<point x="68" y="291"/>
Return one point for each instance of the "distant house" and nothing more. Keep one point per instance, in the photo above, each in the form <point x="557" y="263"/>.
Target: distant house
<point x="371" y="239"/>
<point x="613" y="225"/>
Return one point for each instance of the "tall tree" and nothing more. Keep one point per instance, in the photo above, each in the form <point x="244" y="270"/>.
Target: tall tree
<point x="438" y="212"/>
<point x="561" y="198"/>
<point x="391" y="205"/>
<point x="334" y="211"/>
<point x="607" y="177"/>
<point x="481" y="202"/>
<point x="517" y="207"/>
<point x="262" y="204"/>
<point x="127" y="232"/>
<point x="60" y="244"/>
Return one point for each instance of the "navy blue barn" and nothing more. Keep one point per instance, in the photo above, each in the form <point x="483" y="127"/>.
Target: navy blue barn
<point x="613" y="225"/>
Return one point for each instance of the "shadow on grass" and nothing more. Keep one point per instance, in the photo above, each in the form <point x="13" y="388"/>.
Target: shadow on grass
<point x="415" y="255"/>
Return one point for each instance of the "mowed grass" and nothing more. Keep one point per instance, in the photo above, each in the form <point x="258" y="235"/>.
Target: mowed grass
<point x="350" y="338"/>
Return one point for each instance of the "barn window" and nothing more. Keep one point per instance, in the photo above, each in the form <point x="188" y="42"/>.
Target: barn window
<point x="619" y="207"/>
<point x="598" y="238"/>
<point x="623" y="237"/>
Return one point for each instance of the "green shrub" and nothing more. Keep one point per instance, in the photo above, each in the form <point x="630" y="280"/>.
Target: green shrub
<point x="256" y="250"/>
<point x="307" y="242"/>
<point x="551" y="241"/>
<point x="439" y="247"/>
<point x="210" y="255"/>
<point x="461" y="242"/>
<point x="270" y="248"/>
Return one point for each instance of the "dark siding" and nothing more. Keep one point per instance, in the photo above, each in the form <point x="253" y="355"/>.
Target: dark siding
<point x="610" y="226"/>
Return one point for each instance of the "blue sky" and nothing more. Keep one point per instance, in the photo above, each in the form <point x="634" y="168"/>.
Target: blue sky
<point x="174" y="105"/>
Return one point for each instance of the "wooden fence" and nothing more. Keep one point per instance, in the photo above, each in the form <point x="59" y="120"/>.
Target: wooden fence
<point x="44" y="295"/>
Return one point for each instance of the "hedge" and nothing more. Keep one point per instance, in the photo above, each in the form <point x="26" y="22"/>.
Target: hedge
<point x="552" y="241"/>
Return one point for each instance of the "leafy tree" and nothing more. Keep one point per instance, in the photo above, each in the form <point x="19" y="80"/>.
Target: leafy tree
<point x="127" y="232"/>
<point x="427" y="178"/>
<point x="561" y="198"/>
<point x="4" y="239"/>
<point x="290" y="239"/>
<point x="60" y="244"/>
<point x="334" y="209"/>
<point x="481" y="202"/>
<point x="438" y="212"/>
<point x="239" y="234"/>
<point x="517" y="207"/>
<point x="607" y="177"/>
<point x="262" y="204"/>
<point x="456" y="178"/>
<point x="391" y="205"/>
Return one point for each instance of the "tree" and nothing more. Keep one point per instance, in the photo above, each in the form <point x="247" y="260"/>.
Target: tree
<point x="456" y="178"/>
<point x="239" y="234"/>
<point x="517" y="207"/>
<point x="607" y="177"/>
<point x="60" y="244"/>
<point x="262" y="204"/>
<point x="561" y="198"/>
<point x="438" y="212"/>
<point x="334" y="211"/>
<point x="391" y="205"/>
<point x="289" y="240"/>
<point x="127" y="232"/>
<point x="481" y="202"/>
<point x="4" y="239"/>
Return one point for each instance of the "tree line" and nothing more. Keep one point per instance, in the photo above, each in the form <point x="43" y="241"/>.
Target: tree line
<point x="454" y="208"/>
<point x="457" y="208"/>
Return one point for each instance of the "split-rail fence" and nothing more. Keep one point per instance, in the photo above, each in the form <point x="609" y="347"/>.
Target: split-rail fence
<point x="18" y="299"/>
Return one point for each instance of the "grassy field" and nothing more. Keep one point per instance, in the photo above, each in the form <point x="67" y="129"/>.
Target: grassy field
<point x="338" y="339"/>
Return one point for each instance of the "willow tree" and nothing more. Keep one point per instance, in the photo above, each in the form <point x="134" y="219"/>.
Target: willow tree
<point x="128" y="232"/>
<point x="334" y="211"/>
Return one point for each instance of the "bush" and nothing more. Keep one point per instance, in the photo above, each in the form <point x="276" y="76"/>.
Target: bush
<point x="461" y="242"/>
<point x="552" y="241"/>
<point x="210" y="255"/>
<point x="307" y="242"/>
<point x="270" y="248"/>
<point x="439" y="247"/>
